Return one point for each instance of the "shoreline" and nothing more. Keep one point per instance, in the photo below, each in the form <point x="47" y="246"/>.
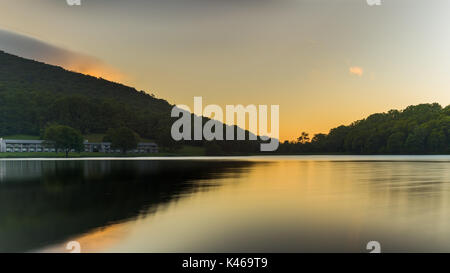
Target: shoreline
<point x="84" y="155"/>
<point x="316" y="157"/>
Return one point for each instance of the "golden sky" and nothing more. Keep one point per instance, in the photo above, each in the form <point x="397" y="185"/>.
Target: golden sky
<point x="325" y="62"/>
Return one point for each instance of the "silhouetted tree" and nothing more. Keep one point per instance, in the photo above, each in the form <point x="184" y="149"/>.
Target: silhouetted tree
<point x="303" y="138"/>
<point x="122" y="138"/>
<point x="63" y="138"/>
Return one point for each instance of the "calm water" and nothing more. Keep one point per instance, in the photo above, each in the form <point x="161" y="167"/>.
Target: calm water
<point x="261" y="204"/>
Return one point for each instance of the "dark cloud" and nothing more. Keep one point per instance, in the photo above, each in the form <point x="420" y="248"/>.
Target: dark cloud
<point x="35" y="49"/>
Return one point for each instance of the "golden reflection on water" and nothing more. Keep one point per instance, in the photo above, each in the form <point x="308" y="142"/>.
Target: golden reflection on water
<point x="296" y="205"/>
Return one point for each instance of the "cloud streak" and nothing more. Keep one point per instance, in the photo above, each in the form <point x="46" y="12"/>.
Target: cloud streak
<point x="35" y="49"/>
<point x="356" y="70"/>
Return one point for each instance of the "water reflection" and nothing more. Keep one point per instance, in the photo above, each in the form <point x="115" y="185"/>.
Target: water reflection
<point x="43" y="202"/>
<point x="273" y="204"/>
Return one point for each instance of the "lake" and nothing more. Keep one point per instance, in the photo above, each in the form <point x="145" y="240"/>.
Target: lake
<point x="226" y="204"/>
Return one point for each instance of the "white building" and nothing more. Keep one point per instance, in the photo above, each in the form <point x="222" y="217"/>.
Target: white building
<point x="19" y="146"/>
<point x="33" y="146"/>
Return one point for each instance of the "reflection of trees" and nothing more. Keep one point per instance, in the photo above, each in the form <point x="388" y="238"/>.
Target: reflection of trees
<point x="58" y="199"/>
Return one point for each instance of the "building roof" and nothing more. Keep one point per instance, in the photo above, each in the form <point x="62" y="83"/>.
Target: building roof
<point x="15" y="141"/>
<point x="147" y="144"/>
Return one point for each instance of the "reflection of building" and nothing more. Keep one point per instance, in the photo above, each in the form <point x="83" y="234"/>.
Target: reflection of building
<point x="32" y="146"/>
<point x="2" y="171"/>
<point x="105" y="147"/>
<point x="20" y="169"/>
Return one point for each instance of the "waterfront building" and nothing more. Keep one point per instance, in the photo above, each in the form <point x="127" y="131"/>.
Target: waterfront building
<point x="36" y="146"/>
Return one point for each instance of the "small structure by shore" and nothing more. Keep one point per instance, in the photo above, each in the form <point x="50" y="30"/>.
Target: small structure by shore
<point x="38" y="146"/>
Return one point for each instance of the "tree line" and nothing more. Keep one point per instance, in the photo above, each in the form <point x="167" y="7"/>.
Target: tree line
<point x="419" y="129"/>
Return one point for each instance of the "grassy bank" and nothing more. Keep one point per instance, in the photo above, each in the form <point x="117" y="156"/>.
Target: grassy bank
<point x="76" y="155"/>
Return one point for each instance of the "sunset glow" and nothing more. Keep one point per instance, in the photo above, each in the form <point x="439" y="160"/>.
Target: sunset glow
<point x="325" y="65"/>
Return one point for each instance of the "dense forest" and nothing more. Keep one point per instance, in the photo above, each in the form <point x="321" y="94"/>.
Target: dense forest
<point x="33" y="94"/>
<point x="420" y="129"/>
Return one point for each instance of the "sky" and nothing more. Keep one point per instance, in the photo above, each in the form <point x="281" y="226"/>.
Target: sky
<point x="325" y="62"/>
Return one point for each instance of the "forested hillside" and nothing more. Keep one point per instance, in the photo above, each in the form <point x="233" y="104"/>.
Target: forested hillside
<point x="420" y="129"/>
<point x="33" y="94"/>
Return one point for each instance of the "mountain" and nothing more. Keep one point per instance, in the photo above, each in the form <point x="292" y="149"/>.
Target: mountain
<point x="34" y="94"/>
